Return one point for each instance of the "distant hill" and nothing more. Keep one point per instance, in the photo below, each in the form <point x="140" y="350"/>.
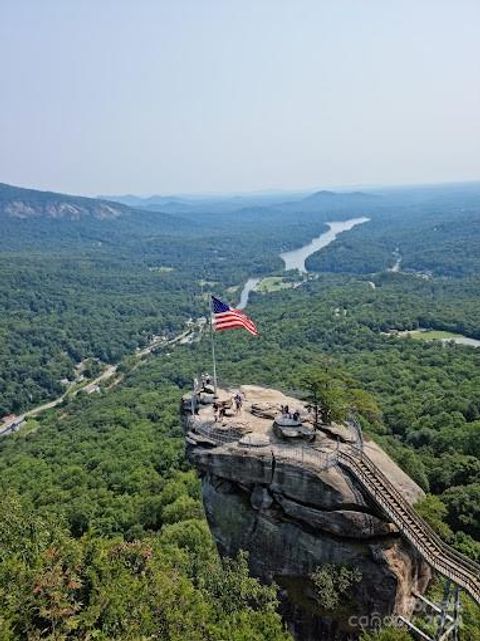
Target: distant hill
<point x="352" y="197"/>
<point x="128" y="199"/>
<point x="325" y="193"/>
<point x="154" y="203"/>
<point x="220" y="204"/>
<point x="17" y="202"/>
<point x="41" y="219"/>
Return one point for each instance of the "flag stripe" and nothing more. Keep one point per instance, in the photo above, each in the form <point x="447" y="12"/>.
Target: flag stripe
<point x="231" y="321"/>
<point x="224" y="317"/>
<point x="233" y="314"/>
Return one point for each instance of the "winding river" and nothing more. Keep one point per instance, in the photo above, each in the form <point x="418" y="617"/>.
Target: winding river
<point x="295" y="258"/>
<point x="247" y="288"/>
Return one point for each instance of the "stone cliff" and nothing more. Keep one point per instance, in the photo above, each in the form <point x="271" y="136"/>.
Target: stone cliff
<point x="271" y="486"/>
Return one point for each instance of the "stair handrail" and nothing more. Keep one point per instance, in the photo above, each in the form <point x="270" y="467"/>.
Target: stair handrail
<point x="453" y="564"/>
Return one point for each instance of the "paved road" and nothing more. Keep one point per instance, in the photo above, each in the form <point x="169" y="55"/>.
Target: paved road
<point x="108" y="373"/>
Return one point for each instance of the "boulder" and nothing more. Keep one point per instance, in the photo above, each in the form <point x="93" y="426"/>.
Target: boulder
<point x="288" y="540"/>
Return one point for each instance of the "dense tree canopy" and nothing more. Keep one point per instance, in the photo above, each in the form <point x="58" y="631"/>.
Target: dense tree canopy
<point x="102" y="533"/>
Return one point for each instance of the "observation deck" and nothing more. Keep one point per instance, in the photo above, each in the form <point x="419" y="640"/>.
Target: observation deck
<point x="261" y="430"/>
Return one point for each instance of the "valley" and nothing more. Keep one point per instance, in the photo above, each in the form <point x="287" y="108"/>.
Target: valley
<point x="111" y="465"/>
<point x="295" y="260"/>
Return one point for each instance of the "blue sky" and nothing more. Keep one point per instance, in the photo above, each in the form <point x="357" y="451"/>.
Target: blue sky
<point x="157" y="96"/>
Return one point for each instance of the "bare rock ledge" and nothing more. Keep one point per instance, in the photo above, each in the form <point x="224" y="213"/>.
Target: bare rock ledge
<point x="293" y="509"/>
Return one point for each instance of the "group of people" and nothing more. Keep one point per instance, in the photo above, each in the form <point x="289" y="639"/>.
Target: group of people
<point x="238" y="399"/>
<point x="220" y="407"/>
<point x="285" y="410"/>
<point x="206" y="380"/>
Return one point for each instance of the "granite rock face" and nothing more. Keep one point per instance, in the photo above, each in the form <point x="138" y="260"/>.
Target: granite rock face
<point x="294" y="516"/>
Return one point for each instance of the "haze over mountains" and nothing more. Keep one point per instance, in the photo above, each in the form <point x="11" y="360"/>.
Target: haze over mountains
<point x="29" y="215"/>
<point x="300" y="201"/>
<point x="170" y="212"/>
<point x="19" y="202"/>
<point x="296" y="202"/>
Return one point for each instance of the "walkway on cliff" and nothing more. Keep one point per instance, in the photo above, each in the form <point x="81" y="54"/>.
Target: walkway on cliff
<point x="440" y="556"/>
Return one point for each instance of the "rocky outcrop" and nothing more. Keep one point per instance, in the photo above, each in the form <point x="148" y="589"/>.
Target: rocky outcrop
<point x="295" y="513"/>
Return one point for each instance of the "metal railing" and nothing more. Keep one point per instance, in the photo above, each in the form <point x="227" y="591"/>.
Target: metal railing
<point x="221" y="437"/>
<point x="438" y="554"/>
<point x="307" y="455"/>
<point x="446" y="560"/>
<point x="301" y="453"/>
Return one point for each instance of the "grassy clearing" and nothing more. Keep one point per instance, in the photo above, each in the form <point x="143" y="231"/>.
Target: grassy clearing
<point x="272" y="284"/>
<point x="28" y="427"/>
<point x="433" y="335"/>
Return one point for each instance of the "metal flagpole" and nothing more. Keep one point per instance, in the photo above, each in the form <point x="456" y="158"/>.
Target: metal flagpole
<point x="213" y="348"/>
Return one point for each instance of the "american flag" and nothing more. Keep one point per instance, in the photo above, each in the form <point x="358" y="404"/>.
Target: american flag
<point x="224" y="317"/>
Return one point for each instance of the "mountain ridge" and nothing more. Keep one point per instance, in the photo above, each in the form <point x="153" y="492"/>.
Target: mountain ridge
<point x="24" y="203"/>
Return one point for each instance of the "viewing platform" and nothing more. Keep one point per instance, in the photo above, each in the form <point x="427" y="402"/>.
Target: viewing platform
<point x="261" y="424"/>
<point x="320" y="491"/>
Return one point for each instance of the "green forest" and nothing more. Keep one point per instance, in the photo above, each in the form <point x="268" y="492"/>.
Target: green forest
<point x="102" y="530"/>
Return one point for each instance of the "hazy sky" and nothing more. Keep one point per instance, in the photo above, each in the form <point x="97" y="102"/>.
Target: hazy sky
<point x="164" y="96"/>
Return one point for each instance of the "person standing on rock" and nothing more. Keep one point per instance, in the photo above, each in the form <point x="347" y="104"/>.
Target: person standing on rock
<point x="221" y="412"/>
<point x="238" y="398"/>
